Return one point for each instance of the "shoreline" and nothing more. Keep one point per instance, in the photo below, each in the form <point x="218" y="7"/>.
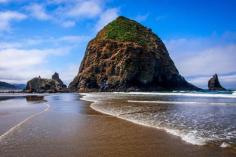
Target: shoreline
<point x="170" y="132"/>
<point x="72" y="128"/>
<point x="224" y="146"/>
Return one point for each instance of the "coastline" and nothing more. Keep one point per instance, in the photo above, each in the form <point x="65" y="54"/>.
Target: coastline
<point x="72" y="128"/>
<point x="170" y="134"/>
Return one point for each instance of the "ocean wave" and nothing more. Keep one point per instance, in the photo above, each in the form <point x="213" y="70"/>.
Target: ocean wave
<point x="190" y="137"/>
<point x="187" y="137"/>
<point x="180" y="102"/>
<point x="193" y="94"/>
<point x="173" y="122"/>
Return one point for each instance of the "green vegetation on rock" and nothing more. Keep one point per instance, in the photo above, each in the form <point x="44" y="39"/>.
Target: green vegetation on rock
<point x="123" y="29"/>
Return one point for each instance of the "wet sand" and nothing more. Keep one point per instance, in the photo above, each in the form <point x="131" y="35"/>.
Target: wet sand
<point x="72" y="129"/>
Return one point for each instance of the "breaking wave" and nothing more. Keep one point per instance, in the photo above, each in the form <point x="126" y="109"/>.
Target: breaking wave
<point x="190" y="94"/>
<point x="198" y="122"/>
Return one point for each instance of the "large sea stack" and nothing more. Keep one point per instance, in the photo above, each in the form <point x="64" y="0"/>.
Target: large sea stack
<point x="126" y="56"/>
<point x="214" y="83"/>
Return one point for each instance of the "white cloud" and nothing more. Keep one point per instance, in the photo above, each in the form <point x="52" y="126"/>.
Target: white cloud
<point x="68" y="72"/>
<point x="22" y="60"/>
<point x="68" y="24"/>
<point x="9" y="16"/>
<point x="52" y="42"/>
<point x="6" y="45"/>
<point x="89" y="9"/>
<point x="219" y="59"/>
<point x="13" y="58"/>
<point x="18" y="58"/>
<point x="20" y="65"/>
<point x="106" y="17"/>
<point x="38" y="11"/>
<point x="4" y="1"/>
<point x="13" y="1"/>
<point x="198" y="59"/>
<point x="67" y="13"/>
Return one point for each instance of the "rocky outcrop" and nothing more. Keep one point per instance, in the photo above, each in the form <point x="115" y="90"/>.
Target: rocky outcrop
<point x="126" y="56"/>
<point x="56" y="77"/>
<point x="214" y="83"/>
<point x="42" y="85"/>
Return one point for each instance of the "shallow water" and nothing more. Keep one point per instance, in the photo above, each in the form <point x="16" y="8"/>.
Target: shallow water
<point x="66" y="126"/>
<point x="197" y="118"/>
<point x="14" y="109"/>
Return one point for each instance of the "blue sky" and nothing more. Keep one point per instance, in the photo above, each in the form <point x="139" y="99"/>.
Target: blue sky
<point x="39" y="37"/>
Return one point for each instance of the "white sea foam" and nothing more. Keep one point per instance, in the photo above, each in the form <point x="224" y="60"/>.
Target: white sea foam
<point x="190" y="137"/>
<point x="187" y="137"/>
<point x="142" y="115"/>
<point x="20" y="94"/>
<point x="182" y="94"/>
<point x="180" y="102"/>
<point x="88" y="97"/>
<point x="225" y="145"/>
<point x="12" y="129"/>
<point x="163" y="102"/>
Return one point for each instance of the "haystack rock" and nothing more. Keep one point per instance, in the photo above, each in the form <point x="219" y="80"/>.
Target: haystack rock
<point x="126" y="56"/>
<point x="214" y="83"/>
<point x="42" y="85"/>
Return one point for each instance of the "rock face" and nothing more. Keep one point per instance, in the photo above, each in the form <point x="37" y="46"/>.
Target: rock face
<point x="42" y="85"/>
<point x="56" y="77"/>
<point x="214" y="83"/>
<point x="126" y="56"/>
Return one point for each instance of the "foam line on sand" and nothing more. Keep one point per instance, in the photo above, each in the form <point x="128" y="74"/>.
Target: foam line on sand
<point x="23" y="122"/>
<point x="179" y="102"/>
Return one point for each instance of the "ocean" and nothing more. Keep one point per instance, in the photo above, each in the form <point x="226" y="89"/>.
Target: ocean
<point x="199" y="118"/>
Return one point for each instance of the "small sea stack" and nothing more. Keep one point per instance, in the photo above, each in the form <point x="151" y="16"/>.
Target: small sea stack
<point x="44" y="85"/>
<point x="214" y="83"/>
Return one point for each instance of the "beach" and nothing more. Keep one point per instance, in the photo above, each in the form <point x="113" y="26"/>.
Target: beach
<point x="71" y="128"/>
